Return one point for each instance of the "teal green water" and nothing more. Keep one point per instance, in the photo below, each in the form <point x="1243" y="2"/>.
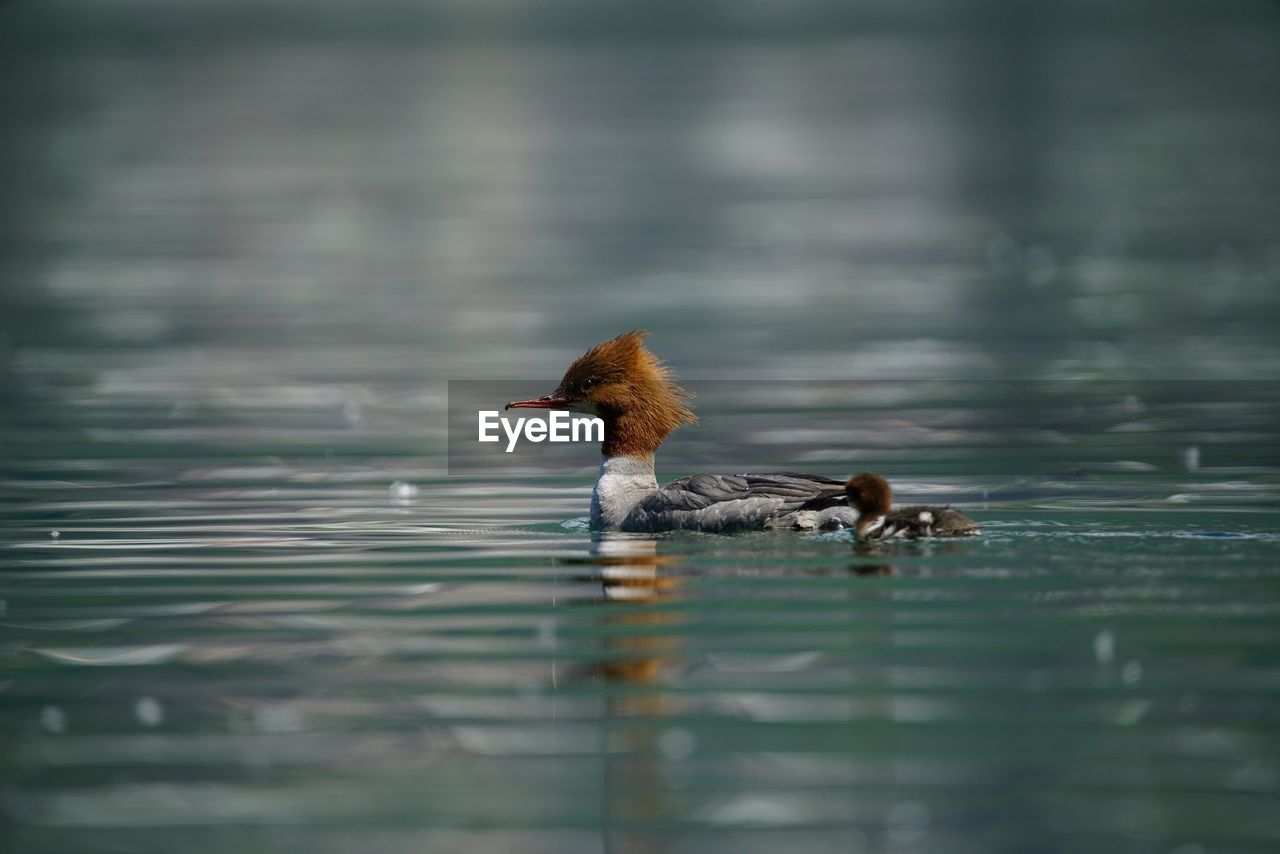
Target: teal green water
<point x="294" y="659"/>
<point x="254" y="597"/>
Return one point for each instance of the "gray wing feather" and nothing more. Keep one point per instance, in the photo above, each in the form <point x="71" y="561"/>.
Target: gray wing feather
<point x="712" y="502"/>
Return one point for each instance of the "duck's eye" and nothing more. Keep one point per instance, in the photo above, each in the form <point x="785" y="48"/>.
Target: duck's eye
<point x="590" y="381"/>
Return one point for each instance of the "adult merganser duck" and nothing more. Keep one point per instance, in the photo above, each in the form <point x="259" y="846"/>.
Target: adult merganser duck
<point x="870" y="495"/>
<point x="632" y="391"/>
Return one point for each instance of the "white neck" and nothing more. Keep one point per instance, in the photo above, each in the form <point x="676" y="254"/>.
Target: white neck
<point x="623" y="482"/>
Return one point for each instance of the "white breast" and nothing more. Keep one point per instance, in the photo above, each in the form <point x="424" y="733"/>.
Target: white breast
<point x="623" y="483"/>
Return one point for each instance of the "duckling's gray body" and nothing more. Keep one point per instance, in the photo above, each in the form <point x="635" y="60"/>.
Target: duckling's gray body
<point x="912" y="523"/>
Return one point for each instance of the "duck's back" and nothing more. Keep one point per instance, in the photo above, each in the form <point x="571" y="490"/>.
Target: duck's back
<point x="743" y="502"/>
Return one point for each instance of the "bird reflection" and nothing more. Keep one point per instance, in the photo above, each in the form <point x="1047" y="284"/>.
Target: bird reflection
<point x="867" y="552"/>
<point x="639" y="638"/>
<point x="875" y="557"/>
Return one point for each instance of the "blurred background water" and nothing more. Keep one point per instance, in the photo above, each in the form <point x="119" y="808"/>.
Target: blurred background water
<point x="1023" y="257"/>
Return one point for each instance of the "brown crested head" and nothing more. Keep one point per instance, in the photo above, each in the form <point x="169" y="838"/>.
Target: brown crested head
<point x="629" y="388"/>
<point x="869" y="493"/>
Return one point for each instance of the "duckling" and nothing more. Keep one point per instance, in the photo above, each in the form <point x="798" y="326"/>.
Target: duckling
<point x="871" y="496"/>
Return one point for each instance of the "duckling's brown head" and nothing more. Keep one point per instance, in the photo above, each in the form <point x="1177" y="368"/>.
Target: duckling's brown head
<point x="869" y="493"/>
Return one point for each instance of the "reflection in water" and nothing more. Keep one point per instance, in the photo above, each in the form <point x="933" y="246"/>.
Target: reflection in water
<point x="872" y="569"/>
<point x="646" y="763"/>
<point x="875" y="557"/>
<point x="867" y="551"/>
<point x="640" y="635"/>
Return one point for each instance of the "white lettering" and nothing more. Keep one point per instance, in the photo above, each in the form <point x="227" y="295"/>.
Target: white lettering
<point x="488" y="421"/>
<point x="560" y="421"/>
<point x="592" y="430"/>
<point x="512" y="434"/>
<point x="560" y="426"/>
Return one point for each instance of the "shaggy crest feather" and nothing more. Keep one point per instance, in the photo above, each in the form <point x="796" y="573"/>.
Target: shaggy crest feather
<point x="632" y="390"/>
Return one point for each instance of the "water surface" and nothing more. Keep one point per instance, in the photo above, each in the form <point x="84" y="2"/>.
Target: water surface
<point x="253" y="601"/>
